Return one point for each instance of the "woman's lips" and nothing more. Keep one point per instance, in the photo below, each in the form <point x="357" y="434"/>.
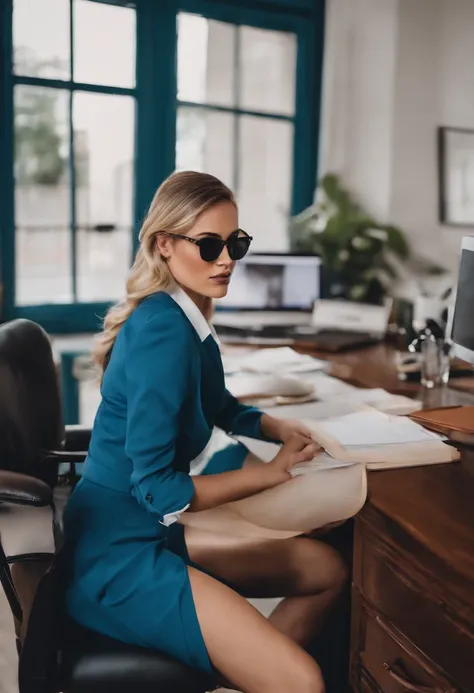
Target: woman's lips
<point x="221" y="278"/>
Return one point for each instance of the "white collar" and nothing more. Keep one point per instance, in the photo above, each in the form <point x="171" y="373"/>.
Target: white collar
<point x="192" y="312"/>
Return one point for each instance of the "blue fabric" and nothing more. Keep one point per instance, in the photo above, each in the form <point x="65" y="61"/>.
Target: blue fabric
<point x="228" y="459"/>
<point x="238" y="419"/>
<point x="162" y="393"/>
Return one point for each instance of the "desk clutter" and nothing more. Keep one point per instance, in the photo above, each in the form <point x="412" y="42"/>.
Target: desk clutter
<point x="281" y="376"/>
<point x="352" y="425"/>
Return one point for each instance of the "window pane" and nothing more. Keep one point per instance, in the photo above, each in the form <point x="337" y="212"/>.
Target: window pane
<point x="41" y="38"/>
<point x="42" y="196"/>
<point x="104" y="150"/>
<point x="104" y="44"/>
<point x="267" y="70"/>
<point x="265" y="175"/>
<point x="205" y="142"/>
<point x="205" y="60"/>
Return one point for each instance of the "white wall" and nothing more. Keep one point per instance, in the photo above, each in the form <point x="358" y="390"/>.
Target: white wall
<point x="394" y="71"/>
<point x="360" y="53"/>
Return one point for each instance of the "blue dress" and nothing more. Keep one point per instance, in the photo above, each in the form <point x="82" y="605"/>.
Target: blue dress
<point x="162" y="393"/>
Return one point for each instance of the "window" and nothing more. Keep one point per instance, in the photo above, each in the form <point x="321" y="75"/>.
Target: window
<point x="236" y="108"/>
<point x="108" y="97"/>
<point x="73" y="150"/>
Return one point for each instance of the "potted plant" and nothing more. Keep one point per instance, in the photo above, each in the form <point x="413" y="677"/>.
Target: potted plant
<point x="358" y="253"/>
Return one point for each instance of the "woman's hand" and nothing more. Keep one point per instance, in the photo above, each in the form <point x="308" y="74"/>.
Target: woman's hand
<point x="283" y="429"/>
<point x="298" y="448"/>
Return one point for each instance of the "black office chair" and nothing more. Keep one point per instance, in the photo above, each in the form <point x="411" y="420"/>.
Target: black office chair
<point x="55" y="655"/>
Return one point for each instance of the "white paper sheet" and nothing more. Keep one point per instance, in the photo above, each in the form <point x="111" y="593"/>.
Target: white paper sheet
<point x="322" y="462"/>
<point x="370" y="427"/>
<point x="314" y="411"/>
<point x="386" y="402"/>
<point x="246" y="385"/>
<point x="278" y="360"/>
<point x="327" y="387"/>
<point x="267" y="451"/>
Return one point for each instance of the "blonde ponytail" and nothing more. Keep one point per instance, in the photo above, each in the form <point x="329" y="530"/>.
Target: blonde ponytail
<point x="175" y="208"/>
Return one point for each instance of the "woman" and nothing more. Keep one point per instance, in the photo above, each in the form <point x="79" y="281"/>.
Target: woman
<point x="136" y="575"/>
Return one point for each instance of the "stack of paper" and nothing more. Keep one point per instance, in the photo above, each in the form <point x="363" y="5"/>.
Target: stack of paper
<point x="381" y="400"/>
<point x="262" y="389"/>
<point x="381" y="441"/>
<point x="336" y="401"/>
<point x="314" y="383"/>
<point x="368" y="437"/>
<point x="279" y="360"/>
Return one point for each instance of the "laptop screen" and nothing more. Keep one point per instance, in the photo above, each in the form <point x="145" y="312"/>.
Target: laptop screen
<point x="274" y="282"/>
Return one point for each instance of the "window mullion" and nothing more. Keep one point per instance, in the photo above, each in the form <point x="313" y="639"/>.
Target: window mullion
<point x="156" y="100"/>
<point x="236" y="143"/>
<point x="7" y="136"/>
<point x="70" y="84"/>
<point x="72" y="167"/>
<point x="308" y="109"/>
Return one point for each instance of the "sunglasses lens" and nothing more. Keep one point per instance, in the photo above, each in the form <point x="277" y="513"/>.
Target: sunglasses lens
<point x="238" y="247"/>
<point x="210" y="248"/>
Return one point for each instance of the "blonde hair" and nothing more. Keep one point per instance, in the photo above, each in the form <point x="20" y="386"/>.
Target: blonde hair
<point x="177" y="203"/>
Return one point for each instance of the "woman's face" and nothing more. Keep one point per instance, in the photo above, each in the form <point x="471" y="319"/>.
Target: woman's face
<point x="207" y="279"/>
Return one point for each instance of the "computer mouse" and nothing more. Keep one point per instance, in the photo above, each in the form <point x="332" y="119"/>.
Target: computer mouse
<point x="246" y="385"/>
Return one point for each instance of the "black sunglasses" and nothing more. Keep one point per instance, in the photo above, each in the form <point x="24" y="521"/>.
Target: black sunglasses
<point x="210" y="247"/>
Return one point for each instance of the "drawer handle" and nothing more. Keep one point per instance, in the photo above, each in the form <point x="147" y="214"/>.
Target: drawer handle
<point x="398" y="675"/>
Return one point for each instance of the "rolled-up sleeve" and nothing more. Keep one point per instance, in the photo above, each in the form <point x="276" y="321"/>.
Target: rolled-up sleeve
<point x="238" y="418"/>
<point x="158" y="371"/>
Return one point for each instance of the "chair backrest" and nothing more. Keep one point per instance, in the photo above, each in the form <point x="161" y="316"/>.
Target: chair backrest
<point x="30" y="408"/>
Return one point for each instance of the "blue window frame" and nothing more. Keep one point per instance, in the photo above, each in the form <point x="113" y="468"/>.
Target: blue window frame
<point x="156" y="108"/>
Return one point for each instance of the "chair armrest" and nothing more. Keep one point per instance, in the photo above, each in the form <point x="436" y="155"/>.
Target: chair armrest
<point x="77" y="437"/>
<point x="21" y="489"/>
<point x="69" y="458"/>
<point x="64" y="456"/>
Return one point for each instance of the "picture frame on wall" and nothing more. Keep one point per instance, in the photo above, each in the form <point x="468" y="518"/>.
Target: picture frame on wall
<point x="456" y="176"/>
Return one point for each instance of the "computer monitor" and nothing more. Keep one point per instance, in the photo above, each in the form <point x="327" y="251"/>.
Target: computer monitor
<point x="273" y="281"/>
<point x="462" y="327"/>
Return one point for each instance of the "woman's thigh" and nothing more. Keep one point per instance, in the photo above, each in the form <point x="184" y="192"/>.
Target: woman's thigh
<point x="260" y="567"/>
<point x="247" y="649"/>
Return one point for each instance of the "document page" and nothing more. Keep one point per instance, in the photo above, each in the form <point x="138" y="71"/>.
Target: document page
<point x="371" y="427"/>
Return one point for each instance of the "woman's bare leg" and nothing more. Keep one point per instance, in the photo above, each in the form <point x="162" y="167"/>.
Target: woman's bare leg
<point x="309" y="573"/>
<point x="245" y="648"/>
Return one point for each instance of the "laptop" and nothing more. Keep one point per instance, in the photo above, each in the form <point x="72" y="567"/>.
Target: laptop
<point x="271" y="300"/>
<point x="276" y="284"/>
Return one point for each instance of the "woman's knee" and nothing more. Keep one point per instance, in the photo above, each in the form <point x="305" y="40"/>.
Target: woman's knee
<point x="319" y="566"/>
<point x="338" y="571"/>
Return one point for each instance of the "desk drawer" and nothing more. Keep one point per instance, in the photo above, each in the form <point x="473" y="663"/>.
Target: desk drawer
<point x="412" y="604"/>
<point x="392" y="663"/>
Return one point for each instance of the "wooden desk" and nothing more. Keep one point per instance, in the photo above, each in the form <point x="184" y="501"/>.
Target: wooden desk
<point x="412" y="612"/>
<point x="413" y="565"/>
<point x="413" y="582"/>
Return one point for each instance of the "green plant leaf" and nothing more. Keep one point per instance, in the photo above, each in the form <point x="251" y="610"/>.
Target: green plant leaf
<point x="352" y="245"/>
<point x="397" y="242"/>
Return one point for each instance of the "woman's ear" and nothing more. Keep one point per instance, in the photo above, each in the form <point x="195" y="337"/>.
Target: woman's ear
<point x="163" y="245"/>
